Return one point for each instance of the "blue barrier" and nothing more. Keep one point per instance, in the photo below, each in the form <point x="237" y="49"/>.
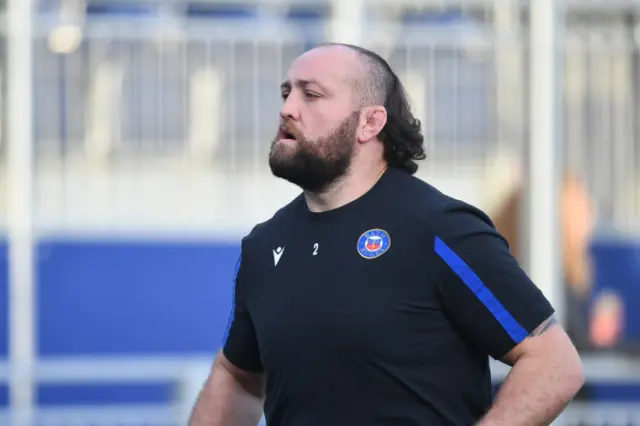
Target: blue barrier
<point x="133" y="298"/>
<point x="617" y="269"/>
<point x="173" y="298"/>
<point x="4" y="301"/>
<point x="104" y="394"/>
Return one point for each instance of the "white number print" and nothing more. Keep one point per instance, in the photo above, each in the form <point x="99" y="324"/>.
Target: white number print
<point x="315" y="249"/>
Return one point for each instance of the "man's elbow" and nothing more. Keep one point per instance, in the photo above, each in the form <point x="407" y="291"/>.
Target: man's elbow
<point x="553" y="358"/>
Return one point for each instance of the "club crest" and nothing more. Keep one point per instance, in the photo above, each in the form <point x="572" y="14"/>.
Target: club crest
<point x="373" y="243"/>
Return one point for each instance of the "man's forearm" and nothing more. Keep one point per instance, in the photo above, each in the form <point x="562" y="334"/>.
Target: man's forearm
<point x="534" y="393"/>
<point x="224" y="401"/>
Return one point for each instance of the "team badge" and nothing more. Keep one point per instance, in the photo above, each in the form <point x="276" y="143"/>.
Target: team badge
<point x="373" y="243"/>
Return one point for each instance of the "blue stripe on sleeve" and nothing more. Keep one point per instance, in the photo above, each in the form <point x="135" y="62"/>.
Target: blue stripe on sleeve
<point x="482" y="292"/>
<point x="233" y="301"/>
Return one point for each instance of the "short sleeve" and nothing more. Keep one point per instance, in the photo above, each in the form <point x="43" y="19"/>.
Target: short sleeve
<point x="240" y="344"/>
<point x="486" y="295"/>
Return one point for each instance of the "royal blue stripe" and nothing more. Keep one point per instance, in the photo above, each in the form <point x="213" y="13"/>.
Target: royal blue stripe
<point x="233" y="301"/>
<point x="482" y="292"/>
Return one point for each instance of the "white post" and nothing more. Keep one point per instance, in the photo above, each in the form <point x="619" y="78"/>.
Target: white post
<point x="509" y="69"/>
<point x="544" y="167"/>
<point x="346" y="21"/>
<point x="20" y="205"/>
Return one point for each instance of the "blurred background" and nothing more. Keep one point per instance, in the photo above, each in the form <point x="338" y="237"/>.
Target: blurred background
<point x="133" y="143"/>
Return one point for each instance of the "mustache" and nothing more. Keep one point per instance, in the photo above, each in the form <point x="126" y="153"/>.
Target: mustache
<point x="287" y="129"/>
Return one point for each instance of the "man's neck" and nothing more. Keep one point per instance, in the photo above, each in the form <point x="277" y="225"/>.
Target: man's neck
<point x="347" y="189"/>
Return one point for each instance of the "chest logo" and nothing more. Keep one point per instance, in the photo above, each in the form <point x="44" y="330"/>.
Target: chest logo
<point x="373" y="243"/>
<point x="277" y="254"/>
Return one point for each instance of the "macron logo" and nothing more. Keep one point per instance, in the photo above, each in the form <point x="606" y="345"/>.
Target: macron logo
<point x="277" y="254"/>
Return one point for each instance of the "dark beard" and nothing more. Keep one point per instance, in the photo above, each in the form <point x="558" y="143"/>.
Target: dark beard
<point x="316" y="165"/>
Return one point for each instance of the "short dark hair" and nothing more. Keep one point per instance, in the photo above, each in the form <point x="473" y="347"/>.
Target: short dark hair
<point x="402" y="135"/>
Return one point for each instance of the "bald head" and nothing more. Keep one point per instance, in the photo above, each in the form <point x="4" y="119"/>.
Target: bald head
<point x="371" y="76"/>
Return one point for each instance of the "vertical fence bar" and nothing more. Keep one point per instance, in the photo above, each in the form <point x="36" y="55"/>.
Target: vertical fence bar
<point x="20" y="210"/>
<point x="544" y="174"/>
<point x="347" y="20"/>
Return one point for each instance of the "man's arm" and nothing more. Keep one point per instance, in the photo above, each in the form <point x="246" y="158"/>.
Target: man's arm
<point x="546" y="374"/>
<point x="233" y="393"/>
<point x="496" y="307"/>
<point x="230" y="397"/>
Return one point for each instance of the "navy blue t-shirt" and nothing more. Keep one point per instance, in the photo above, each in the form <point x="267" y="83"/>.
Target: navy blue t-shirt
<point x="382" y="312"/>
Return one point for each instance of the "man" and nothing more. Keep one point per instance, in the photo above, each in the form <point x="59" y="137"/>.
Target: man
<point x="372" y="298"/>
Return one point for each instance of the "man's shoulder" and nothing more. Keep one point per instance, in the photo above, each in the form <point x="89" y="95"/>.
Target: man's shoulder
<point x="418" y="197"/>
<point x="425" y="202"/>
<point x="276" y="222"/>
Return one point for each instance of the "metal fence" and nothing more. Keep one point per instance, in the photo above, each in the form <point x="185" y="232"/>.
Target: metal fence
<point x="139" y="95"/>
<point x="173" y="91"/>
<point x="140" y="103"/>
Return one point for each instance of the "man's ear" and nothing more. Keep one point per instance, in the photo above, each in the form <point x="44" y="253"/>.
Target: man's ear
<point x="372" y="121"/>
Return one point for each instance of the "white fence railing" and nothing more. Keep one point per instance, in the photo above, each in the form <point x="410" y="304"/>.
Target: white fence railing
<point x="161" y="98"/>
<point x="132" y="92"/>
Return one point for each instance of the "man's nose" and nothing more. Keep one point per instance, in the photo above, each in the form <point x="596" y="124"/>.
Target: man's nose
<point x="290" y="109"/>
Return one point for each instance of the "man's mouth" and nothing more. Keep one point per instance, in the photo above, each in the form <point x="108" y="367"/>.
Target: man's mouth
<point x="286" y="134"/>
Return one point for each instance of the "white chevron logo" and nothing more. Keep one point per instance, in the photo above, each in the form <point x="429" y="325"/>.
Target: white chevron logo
<point x="277" y="254"/>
